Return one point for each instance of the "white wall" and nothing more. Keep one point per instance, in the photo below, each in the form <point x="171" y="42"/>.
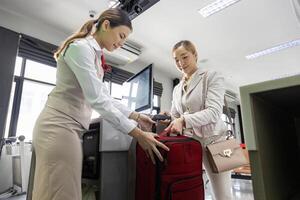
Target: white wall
<point x="32" y="27"/>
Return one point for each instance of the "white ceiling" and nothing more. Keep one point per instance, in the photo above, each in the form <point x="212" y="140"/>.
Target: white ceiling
<point x="223" y="39"/>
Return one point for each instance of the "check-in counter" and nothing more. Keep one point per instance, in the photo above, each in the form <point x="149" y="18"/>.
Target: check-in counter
<point x="105" y="163"/>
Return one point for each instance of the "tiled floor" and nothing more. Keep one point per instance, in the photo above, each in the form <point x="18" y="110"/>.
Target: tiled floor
<point x="241" y="189"/>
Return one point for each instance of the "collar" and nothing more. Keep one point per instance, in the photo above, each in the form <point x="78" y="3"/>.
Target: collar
<point x="198" y="71"/>
<point x="91" y="40"/>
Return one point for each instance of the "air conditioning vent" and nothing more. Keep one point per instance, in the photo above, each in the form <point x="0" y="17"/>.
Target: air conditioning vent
<point x="231" y="94"/>
<point x="128" y="53"/>
<point x="132" y="48"/>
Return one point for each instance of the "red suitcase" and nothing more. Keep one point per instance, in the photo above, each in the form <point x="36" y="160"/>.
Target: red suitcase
<point x="179" y="177"/>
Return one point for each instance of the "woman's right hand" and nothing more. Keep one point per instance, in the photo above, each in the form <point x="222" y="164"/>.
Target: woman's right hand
<point x="148" y="143"/>
<point x="176" y="126"/>
<point x="165" y="113"/>
<point x="165" y="122"/>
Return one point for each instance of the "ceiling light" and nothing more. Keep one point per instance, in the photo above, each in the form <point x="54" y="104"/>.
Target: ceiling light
<point x="216" y="7"/>
<point x="280" y="47"/>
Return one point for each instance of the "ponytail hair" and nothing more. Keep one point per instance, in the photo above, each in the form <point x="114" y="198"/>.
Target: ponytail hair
<point x="115" y="16"/>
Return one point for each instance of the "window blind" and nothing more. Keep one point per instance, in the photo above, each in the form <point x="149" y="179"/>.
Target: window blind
<point x="37" y="50"/>
<point x="40" y="51"/>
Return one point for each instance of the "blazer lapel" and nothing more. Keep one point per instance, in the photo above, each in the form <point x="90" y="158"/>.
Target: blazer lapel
<point x="195" y="81"/>
<point x="178" y="97"/>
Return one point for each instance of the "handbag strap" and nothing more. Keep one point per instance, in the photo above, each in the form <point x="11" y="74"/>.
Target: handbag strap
<point x="231" y="132"/>
<point x="204" y="90"/>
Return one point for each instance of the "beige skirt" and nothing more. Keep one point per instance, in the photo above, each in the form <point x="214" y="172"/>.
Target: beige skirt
<point x="58" y="157"/>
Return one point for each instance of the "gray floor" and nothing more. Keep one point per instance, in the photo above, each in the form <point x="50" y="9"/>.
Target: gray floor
<point x="241" y="189"/>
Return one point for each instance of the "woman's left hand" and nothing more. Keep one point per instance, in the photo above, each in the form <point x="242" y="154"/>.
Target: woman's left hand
<point x="145" y="122"/>
<point x="176" y="126"/>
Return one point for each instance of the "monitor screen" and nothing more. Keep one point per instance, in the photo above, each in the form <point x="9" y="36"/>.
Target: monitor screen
<point x="138" y="90"/>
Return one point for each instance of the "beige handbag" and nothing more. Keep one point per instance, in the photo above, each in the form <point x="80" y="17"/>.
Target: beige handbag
<point x="227" y="154"/>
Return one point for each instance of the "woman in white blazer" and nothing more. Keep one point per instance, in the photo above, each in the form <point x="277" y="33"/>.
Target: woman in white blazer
<point x="189" y="117"/>
<point x="79" y="88"/>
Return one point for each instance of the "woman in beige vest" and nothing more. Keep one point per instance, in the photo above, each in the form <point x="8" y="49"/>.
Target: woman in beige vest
<point x="188" y="114"/>
<point x="79" y="88"/>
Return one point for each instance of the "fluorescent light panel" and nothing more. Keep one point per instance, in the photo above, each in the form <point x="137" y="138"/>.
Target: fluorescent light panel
<point x="280" y="47"/>
<point x="216" y="7"/>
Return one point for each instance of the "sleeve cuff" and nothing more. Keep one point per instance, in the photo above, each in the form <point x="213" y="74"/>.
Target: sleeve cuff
<point x="128" y="126"/>
<point x="127" y="113"/>
<point x="188" y="121"/>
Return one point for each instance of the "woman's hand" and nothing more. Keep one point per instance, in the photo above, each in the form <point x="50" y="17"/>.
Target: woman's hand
<point x="148" y="143"/>
<point x="176" y="126"/>
<point x="165" y="113"/>
<point x="165" y="122"/>
<point x="145" y="122"/>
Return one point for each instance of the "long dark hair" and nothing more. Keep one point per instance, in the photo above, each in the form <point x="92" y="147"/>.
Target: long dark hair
<point x="115" y="16"/>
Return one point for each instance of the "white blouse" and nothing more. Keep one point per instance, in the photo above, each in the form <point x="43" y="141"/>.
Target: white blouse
<point x="82" y="57"/>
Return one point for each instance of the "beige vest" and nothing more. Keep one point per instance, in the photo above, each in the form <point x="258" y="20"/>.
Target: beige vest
<point x="67" y="96"/>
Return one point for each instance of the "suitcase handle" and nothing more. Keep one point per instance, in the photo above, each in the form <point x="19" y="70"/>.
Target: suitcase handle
<point x="161" y="117"/>
<point x="158" y="118"/>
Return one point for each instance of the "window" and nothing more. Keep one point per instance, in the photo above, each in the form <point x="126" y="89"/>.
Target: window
<point x="116" y="91"/>
<point x="156" y="105"/>
<point x="33" y="82"/>
<point x="6" y="134"/>
<point x="156" y="101"/>
<point x="18" y="66"/>
<point x="34" y="97"/>
<point x="17" y="72"/>
<point x="40" y="72"/>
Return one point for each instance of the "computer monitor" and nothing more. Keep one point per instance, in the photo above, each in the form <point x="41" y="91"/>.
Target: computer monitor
<point x="138" y="90"/>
